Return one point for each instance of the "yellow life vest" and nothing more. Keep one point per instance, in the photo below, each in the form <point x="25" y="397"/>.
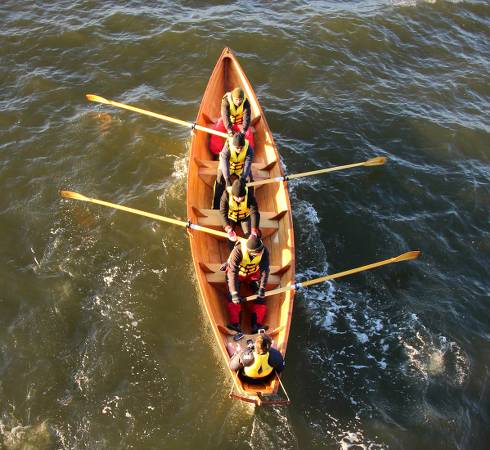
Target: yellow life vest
<point x="237" y="159"/>
<point x="238" y="211"/>
<point x="247" y="265"/>
<point x="236" y="112"/>
<point x="260" y="368"/>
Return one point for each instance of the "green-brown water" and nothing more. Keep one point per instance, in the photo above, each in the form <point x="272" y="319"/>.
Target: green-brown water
<point x="103" y="342"/>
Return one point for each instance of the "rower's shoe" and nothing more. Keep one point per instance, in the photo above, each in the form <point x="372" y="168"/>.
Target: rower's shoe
<point x="234" y="327"/>
<point x="256" y="328"/>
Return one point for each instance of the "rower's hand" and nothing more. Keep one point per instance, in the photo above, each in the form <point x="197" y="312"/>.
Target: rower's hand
<point x="231" y="133"/>
<point x="261" y="294"/>
<point x="235" y="298"/>
<point x="231" y="234"/>
<point x="256" y="232"/>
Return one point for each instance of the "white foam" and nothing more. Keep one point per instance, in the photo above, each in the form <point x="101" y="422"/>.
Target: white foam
<point x="362" y="337"/>
<point x="352" y="439"/>
<point x="432" y="356"/>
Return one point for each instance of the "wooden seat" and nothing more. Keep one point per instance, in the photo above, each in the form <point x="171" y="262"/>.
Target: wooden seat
<point x="217" y="277"/>
<point x="212" y="120"/>
<point x="211" y="218"/>
<point x="209" y="169"/>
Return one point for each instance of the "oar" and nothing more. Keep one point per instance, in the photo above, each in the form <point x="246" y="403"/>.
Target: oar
<point x="96" y="98"/>
<point x="403" y="257"/>
<point x="378" y="161"/>
<point x="193" y="226"/>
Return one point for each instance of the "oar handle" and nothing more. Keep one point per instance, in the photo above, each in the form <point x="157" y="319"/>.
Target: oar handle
<point x="210" y="131"/>
<point x="403" y="257"/>
<point x="97" y="98"/>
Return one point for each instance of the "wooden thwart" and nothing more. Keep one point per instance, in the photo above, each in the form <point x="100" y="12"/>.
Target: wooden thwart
<point x="271" y="333"/>
<point x="219" y="278"/>
<point x="212" y="218"/>
<point x="209" y="169"/>
<point x="208" y="268"/>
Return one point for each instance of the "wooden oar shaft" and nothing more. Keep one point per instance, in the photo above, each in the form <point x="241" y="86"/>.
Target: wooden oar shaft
<point x="283" y="388"/>
<point x="370" y="162"/>
<point x="96" y="98"/>
<point x="403" y="257"/>
<point x="329" y="169"/>
<point x="77" y="196"/>
<point x="266" y="181"/>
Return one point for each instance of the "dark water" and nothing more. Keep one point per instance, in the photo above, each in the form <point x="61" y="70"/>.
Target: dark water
<point x="103" y="342"/>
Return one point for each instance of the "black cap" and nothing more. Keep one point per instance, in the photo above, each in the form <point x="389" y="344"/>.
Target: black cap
<point x="238" y="140"/>
<point x="254" y="243"/>
<point x="238" y="188"/>
<point x="237" y="93"/>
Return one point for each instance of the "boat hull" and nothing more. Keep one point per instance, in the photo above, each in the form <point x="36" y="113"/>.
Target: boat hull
<point x="209" y="252"/>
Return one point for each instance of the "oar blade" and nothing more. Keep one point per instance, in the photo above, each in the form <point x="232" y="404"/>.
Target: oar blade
<point x="407" y="256"/>
<point x="97" y="98"/>
<point x="73" y="195"/>
<point x="378" y="161"/>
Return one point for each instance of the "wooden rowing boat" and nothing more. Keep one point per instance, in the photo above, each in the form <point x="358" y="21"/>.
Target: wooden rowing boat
<point x="209" y="252"/>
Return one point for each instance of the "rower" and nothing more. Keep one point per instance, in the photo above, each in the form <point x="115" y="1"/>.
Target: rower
<point x="235" y="118"/>
<point x="258" y="360"/>
<point x="238" y="206"/>
<point x="235" y="159"/>
<point x="247" y="264"/>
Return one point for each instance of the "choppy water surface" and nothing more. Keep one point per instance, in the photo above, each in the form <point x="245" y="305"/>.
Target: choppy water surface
<point x="103" y="343"/>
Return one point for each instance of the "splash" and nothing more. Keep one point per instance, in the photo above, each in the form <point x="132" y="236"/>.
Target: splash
<point x="25" y="437"/>
<point x="174" y="188"/>
<point x="433" y="356"/>
<point x="272" y="428"/>
<point x="355" y="440"/>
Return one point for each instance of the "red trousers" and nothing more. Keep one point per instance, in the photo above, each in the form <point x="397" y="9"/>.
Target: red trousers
<point x="259" y="308"/>
<point x="216" y="142"/>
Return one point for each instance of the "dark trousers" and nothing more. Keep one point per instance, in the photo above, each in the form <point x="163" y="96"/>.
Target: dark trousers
<point x="219" y="188"/>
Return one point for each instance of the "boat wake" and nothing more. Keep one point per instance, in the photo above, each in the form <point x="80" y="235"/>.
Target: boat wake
<point x="362" y="334"/>
<point x="110" y="372"/>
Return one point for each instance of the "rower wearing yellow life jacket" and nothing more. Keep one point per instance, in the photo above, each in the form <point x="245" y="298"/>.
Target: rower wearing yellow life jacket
<point x="238" y="206"/>
<point x="258" y="360"/>
<point x="247" y="264"/>
<point x="234" y="160"/>
<point x="235" y="118"/>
